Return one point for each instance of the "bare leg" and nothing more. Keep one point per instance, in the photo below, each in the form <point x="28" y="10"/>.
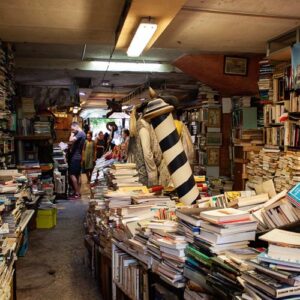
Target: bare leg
<point x="89" y="175"/>
<point x="75" y="184"/>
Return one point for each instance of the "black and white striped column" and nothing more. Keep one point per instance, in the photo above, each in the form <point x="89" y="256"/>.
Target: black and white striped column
<point x="159" y="114"/>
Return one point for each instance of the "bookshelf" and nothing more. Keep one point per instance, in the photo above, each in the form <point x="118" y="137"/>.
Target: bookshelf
<point x="7" y="110"/>
<point x="247" y="136"/>
<point x="129" y="274"/>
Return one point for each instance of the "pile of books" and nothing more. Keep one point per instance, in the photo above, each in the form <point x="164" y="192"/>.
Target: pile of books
<point x="262" y="166"/>
<point x="225" y="229"/>
<point x="283" y="168"/>
<point x="265" y="83"/>
<point x="124" y="175"/>
<point x="275" y="274"/>
<point x="276" y="212"/>
<point x="288" y="171"/>
<point x="166" y="247"/>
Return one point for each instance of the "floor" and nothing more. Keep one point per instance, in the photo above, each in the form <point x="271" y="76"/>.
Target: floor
<point x="55" y="264"/>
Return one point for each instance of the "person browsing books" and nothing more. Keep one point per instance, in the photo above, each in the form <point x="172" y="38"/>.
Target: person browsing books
<point x="77" y="140"/>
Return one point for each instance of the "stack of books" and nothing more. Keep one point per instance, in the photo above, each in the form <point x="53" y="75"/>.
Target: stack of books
<point x="124" y="175"/>
<point x="265" y="83"/>
<point x="283" y="168"/>
<point x="189" y="222"/>
<point x="262" y="166"/>
<point x="166" y="247"/>
<point x="150" y="199"/>
<point x="275" y="274"/>
<point x="172" y="248"/>
<point x="225" y="229"/>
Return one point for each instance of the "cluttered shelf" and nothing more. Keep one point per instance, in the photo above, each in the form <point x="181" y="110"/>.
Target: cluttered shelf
<point x="33" y="137"/>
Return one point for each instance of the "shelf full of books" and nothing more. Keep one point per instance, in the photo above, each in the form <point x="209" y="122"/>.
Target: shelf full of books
<point x="247" y="135"/>
<point x="14" y="218"/>
<point x="282" y="110"/>
<point x="7" y="117"/>
<point x="204" y="123"/>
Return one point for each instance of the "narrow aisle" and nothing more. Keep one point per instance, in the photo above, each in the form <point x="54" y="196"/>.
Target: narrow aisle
<point x="54" y="267"/>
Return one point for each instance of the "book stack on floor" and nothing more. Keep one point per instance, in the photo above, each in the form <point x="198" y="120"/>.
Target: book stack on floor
<point x="262" y="166"/>
<point x="275" y="274"/>
<point x="288" y="171"/>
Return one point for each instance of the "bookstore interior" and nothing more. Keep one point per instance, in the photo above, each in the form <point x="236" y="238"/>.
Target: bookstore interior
<point x="180" y="118"/>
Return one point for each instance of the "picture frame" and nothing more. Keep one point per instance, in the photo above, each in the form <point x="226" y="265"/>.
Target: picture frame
<point x="213" y="156"/>
<point x="234" y="65"/>
<point x="214" y="138"/>
<point x="214" y="118"/>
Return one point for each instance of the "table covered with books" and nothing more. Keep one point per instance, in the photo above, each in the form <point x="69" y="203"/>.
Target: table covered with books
<point x="235" y="245"/>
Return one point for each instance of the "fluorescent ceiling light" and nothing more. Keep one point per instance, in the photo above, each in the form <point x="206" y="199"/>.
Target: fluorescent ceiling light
<point x="141" y="38"/>
<point x="130" y="67"/>
<point x="82" y="93"/>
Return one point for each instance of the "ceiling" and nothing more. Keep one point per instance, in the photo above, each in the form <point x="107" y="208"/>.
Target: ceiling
<point x="55" y="38"/>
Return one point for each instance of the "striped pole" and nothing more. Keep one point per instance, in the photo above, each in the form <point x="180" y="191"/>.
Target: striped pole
<point x="159" y="114"/>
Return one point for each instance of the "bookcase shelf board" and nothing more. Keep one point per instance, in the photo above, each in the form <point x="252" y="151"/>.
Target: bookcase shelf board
<point x="283" y="54"/>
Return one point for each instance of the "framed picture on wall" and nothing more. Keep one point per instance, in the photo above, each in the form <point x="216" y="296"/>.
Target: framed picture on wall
<point x="235" y="65"/>
<point x="214" y="118"/>
<point x="213" y="156"/>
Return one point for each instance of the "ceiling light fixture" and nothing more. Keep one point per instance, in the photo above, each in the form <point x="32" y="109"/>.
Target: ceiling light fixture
<point x="131" y="67"/>
<point x="141" y="38"/>
<point x="82" y="93"/>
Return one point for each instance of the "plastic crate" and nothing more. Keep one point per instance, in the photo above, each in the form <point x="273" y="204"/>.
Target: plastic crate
<point x="46" y="218"/>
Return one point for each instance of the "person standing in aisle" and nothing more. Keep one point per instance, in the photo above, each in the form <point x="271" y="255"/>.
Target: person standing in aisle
<point x="100" y="144"/>
<point x="89" y="156"/>
<point x="124" y="145"/>
<point x="77" y="140"/>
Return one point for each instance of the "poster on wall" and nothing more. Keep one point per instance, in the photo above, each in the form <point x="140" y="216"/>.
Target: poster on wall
<point x="296" y="66"/>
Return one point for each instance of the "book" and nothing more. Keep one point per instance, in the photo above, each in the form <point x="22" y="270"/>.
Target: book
<point x="225" y="215"/>
<point x="282" y="237"/>
<point x="218" y="239"/>
<point x="190" y="215"/>
<point x="294" y="195"/>
<point x="270" y="285"/>
<point x="230" y="228"/>
<point x="290" y="278"/>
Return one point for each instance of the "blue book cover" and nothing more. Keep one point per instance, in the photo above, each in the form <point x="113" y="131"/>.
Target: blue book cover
<point x="295" y="192"/>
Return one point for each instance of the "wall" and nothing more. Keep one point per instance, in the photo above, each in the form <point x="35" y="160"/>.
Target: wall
<point x="209" y="69"/>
